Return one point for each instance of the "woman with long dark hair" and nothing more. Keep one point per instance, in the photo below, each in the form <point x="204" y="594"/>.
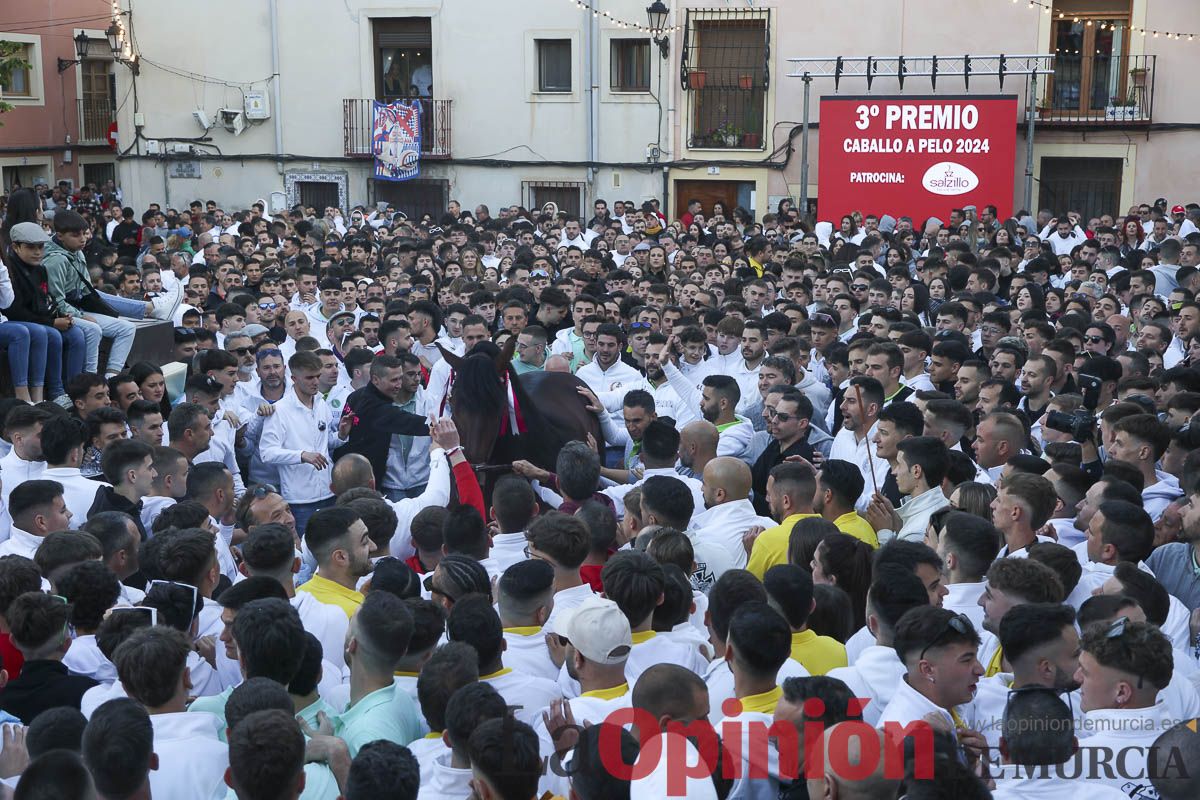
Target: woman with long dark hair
<point x="845" y="562"/>
<point x="152" y="384"/>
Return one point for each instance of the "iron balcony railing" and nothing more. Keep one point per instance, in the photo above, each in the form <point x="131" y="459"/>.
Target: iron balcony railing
<point x="435" y="127"/>
<point x="95" y="117"/>
<point x="1105" y="90"/>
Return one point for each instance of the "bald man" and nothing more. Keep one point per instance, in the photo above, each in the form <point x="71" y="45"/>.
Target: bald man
<point x="557" y="363"/>
<point x="351" y="471"/>
<point x="848" y="750"/>
<point x="728" y="511"/>
<point x="697" y="446"/>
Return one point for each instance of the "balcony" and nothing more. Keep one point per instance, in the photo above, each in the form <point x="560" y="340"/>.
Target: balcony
<point x="95" y="117"/>
<point x="727" y="117"/>
<point x="1098" y="91"/>
<point x="435" y="127"/>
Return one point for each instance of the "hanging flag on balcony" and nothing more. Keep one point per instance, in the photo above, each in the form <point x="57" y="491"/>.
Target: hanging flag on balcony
<point x="396" y="140"/>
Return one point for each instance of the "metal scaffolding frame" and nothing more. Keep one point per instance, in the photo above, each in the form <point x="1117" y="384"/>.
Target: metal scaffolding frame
<point x="868" y="68"/>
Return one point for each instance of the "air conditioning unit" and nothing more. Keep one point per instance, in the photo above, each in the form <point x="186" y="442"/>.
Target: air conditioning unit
<point x="233" y="120"/>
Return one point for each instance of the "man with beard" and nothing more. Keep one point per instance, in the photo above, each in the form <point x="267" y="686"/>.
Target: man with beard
<point x="788" y="419"/>
<point x="377" y="409"/>
<point x="338" y="540"/>
<point x="855" y="441"/>
<point x="1175" y="563"/>
<point x="667" y="401"/>
<point x="1041" y="645"/>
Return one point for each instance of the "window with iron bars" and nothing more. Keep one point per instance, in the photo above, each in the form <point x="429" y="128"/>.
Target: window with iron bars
<point x="566" y="195"/>
<point x="726" y="70"/>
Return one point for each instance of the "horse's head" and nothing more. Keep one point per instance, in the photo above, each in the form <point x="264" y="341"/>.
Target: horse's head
<point x="478" y="398"/>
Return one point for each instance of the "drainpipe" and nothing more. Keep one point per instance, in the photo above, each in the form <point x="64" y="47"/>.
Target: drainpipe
<point x="593" y="98"/>
<point x="275" y="93"/>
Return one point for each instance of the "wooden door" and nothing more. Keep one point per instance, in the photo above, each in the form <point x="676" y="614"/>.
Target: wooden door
<point x="96" y="106"/>
<point x="708" y="193"/>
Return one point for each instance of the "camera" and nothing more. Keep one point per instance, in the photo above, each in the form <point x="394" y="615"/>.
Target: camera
<point x="1081" y="424"/>
<point x="1089" y="387"/>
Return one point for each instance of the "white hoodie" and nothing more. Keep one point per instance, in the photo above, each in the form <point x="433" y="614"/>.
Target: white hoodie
<point x="874" y="675"/>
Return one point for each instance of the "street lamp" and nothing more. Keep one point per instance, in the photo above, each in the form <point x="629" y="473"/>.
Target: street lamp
<point x="81" y="52"/>
<point x="656" y="14"/>
<point x="113" y="34"/>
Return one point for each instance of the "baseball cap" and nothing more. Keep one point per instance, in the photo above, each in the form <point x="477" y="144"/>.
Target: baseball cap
<point x="254" y="329"/>
<point x="340" y="314"/>
<point x="1176" y="209"/>
<point x="28" y="233"/>
<point x="330" y="283"/>
<point x="597" y="629"/>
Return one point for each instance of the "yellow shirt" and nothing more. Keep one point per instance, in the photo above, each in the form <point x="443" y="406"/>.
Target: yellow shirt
<point x="996" y="665"/>
<point x="771" y="546"/>
<point x="610" y="693"/>
<point x="333" y="594"/>
<point x="757" y="267"/>
<point x="818" y="654"/>
<point x="763" y="703"/>
<point x="857" y="527"/>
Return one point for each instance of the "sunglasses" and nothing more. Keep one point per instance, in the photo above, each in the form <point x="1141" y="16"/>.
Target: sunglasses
<point x="268" y="306"/>
<point x="185" y="331"/>
<point x="640" y="326"/>
<point x="959" y="623"/>
<point x="240" y="351"/>
<point x="1094" y="339"/>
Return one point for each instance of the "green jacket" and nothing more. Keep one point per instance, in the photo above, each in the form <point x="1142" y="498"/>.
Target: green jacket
<point x="67" y="275"/>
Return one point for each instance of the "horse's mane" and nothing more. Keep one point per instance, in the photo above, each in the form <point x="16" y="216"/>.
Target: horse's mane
<point x="477" y="388"/>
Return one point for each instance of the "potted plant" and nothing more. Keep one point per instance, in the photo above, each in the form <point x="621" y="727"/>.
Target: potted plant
<point x="1043" y="108"/>
<point x="745" y="81"/>
<point x="1138" y="76"/>
<point x="729" y="134"/>
<point x="1122" y="110"/>
<point x="697" y="78"/>
<point x="751" y="141"/>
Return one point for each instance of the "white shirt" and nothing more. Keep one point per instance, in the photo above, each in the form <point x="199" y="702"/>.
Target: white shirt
<point x="531" y="693"/>
<point x="20" y="543"/>
<point x="667" y="401"/>
<point x="1129" y="731"/>
<point x="618" y="492"/>
<point x="908" y="705"/>
<point x="83" y="657"/>
<point x="292" y="430"/>
<point x="725" y="524"/>
<point x="861" y="453"/>
<point x="327" y="623"/>
<point x="1031" y="783"/>
<point x="526" y="653"/>
<point x="874" y="675"/>
<point x="607" y="380"/>
<point x="78" y="492"/>
<point x="508" y="549"/>
<point x="963" y="598"/>
<point x="444" y="782"/>
<point x="567" y="598"/>
<point x="719" y="679"/>
<point x="97" y="696"/>
<point x="152" y="506"/>
<point x="15" y="470"/>
<point x="191" y="758"/>
<point x="437" y="493"/>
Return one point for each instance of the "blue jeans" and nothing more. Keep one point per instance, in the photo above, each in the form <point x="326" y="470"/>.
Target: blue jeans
<point x="119" y="330"/>
<point x="301" y="512"/>
<point x="20" y="345"/>
<point x="133" y="309"/>
<point x="74" y="350"/>
<point x="47" y="340"/>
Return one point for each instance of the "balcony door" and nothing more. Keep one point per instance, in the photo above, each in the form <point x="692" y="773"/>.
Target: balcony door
<point x="403" y="58"/>
<point x="96" y="108"/>
<point x="1091" y="69"/>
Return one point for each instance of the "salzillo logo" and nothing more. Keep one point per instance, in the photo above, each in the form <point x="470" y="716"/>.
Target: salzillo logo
<point x="946" y="177"/>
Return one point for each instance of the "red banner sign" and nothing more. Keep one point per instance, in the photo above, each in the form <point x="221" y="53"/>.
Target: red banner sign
<point x="916" y="156"/>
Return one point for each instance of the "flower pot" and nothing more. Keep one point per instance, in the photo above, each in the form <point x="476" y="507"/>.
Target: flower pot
<point x="751" y="141"/>
<point x="745" y="81"/>
<point x="1138" y="76"/>
<point x="697" y="78"/>
<point x="731" y="139"/>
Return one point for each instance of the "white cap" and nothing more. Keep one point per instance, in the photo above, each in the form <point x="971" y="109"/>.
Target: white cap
<point x="598" y="630"/>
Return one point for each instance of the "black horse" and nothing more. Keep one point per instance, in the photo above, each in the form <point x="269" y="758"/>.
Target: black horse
<point x="548" y="408"/>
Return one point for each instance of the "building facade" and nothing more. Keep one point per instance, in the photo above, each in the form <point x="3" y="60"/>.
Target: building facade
<point x="559" y="100"/>
<point x="63" y="107"/>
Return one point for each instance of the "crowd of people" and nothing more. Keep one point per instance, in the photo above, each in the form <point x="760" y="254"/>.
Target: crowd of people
<point x="927" y="489"/>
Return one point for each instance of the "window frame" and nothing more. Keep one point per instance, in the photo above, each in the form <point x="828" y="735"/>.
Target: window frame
<point x="540" y="45"/>
<point x="35" y="78"/>
<point x="618" y="49"/>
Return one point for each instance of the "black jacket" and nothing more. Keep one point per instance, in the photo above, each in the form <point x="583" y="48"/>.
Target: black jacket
<point x="377" y="418"/>
<point x="771" y="457"/>
<point x="43" y="685"/>
<point x="107" y="499"/>
<point x="32" y="302"/>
